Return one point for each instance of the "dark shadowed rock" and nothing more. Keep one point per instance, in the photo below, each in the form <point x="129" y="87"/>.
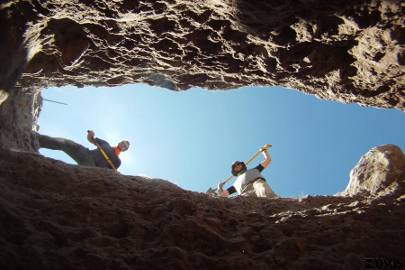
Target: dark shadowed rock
<point x="59" y="216"/>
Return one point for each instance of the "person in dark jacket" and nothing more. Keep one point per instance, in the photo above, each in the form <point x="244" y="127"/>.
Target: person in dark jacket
<point x="104" y="156"/>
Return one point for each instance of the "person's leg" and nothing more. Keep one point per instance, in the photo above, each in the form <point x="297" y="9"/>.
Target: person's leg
<point x="248" y="191"/>
<point x="262" y="189"/>
<point x="77" y="152"/>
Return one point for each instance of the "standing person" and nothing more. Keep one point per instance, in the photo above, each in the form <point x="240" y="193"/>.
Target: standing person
<point x="105" y="156"/>
<point x="249" y="182"/>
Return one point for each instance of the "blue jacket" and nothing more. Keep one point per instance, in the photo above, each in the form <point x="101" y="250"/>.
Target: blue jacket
<point x="98" y="157"/>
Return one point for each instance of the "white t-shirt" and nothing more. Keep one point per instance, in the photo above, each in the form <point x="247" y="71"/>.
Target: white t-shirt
<point x="247" y="177"/>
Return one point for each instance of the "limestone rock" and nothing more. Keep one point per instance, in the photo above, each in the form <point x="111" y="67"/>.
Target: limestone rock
<point x="379" y="171"/>
<point x="348" y="51"/>
<point x="59" y="216"/>
<point x="19" y="118"/>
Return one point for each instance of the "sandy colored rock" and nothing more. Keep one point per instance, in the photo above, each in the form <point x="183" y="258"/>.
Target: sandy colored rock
<point x="343" y="51"/>
<point x="19" y="115"/>
<point x="3" y="96"/>
<point x="379" y="170"/>
<point x="59" y="216"/>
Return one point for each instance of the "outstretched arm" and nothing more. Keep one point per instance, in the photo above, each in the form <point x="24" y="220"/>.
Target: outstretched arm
<point x="267" y="158"/>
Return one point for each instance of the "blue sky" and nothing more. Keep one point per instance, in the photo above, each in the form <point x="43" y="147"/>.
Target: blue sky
<point x="192" y="137"/>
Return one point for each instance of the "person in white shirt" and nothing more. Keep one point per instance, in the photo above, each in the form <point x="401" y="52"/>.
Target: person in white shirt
<point x="249" y="182"/>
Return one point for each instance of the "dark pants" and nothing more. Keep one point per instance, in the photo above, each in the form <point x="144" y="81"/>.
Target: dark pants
<point x="77" y="152"/>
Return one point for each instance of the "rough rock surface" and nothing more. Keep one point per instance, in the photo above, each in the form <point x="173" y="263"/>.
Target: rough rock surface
<point x="378" y="171"/>
<point x="348" y="51"/>
<point x="59" y="216"/>
<point x="18" y="118"/>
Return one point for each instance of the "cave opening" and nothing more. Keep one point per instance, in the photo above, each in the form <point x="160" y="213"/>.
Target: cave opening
<point x="192" y="137"/>
<point x="57" y="216"/>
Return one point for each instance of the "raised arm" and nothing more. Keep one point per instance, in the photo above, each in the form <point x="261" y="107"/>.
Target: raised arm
<point x="267" y="158"/>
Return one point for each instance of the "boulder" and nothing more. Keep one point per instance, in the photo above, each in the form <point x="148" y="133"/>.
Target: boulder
<point x="379" y="171"/>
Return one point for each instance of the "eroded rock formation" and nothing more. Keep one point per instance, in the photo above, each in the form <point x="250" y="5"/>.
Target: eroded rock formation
<point x="18" y="119"/>
<point x="349" y="51"/>
<point x="59" y="216"/>
<point x="377" y="172"/>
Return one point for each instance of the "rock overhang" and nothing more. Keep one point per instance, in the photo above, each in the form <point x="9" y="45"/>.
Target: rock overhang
<point x="345" y="51"/>
<point x="348" y="52"/>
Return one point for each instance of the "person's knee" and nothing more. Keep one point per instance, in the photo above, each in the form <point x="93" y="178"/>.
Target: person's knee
<point x="260" y="189"/>
<point x="46" y="142"/>
<point x="86" y="161"/>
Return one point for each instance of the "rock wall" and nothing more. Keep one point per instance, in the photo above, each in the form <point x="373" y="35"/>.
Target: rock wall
<point x="18" y="119"/>
<point x="59" y="216"/>
<point x="348" y="51"/>
<point x="377" y="172"/>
